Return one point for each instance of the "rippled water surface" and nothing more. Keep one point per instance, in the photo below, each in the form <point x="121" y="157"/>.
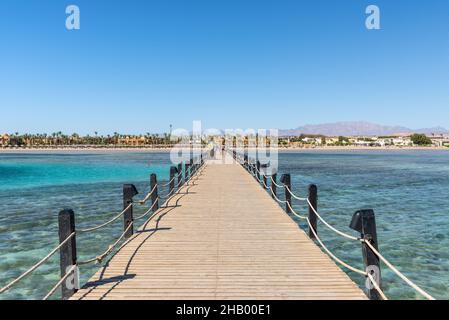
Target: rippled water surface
<point x="409" y="191"/>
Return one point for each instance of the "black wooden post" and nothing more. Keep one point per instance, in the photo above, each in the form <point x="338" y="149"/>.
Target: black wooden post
<point x="129" y="191"/>
<point x="67" y="253"/>
<point x="364" y="221"/>
<point x="245" y="161"/>
<point x="173" y="171"/>
<point x="180" y="183"/>
<point x="286" y="181"/>
<point x="313" y="198"/>
<point x="273" y="186"/>
<point x="265" y="181"/>
<point x="258" y="170"/>
<point x="187" y="171"/>
<point x="192" y="166"/>
<point x="154" y="195"/>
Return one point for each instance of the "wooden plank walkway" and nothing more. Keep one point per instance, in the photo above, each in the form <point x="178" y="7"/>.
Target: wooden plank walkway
<point x="221" y="238"/>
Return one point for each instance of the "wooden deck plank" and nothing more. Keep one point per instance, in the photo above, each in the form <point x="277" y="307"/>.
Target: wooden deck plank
<point x="221" y="238"/>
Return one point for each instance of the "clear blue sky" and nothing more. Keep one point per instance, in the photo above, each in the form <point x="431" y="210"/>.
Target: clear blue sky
<point x="137" y="66"/>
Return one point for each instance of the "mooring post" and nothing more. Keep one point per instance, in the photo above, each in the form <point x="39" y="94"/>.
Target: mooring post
<point x="286" y="181"/>
<point x="173" y="171"/>
<point x="265" y="181"/>
<point x="258" y="170"/>
<point x="192" y="166"/>
<point x="180" y="183"/>
<point x="129" y="191"/>
<point x="187" y="171"/>
<point x="67" y="253"/>
<point x="245" y="161"/>
<point x="273" y="185"/>
<point x="313" y="198"/>
<point x="364" y="221"/>
<point x="154" y="195"/>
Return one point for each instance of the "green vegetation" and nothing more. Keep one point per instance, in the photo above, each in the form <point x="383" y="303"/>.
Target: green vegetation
<point x="342" y="141"/>
<point x="60" y="139"/>
<point x="420" y="139"/>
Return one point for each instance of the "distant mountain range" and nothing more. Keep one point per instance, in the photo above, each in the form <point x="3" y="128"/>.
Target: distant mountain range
<point x="358" y="128"/>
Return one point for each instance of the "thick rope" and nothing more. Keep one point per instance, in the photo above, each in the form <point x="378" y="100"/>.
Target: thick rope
<point x="393" y="268"/>
<point x="263" y="182"/>
<point x="168" y="183"/>
<point x="376" y="286"/>
<point x="148" y="211"/>
<point x="37" y="265"/>
<point x="274" y="182"/>
<point x="53" y="290"/>
<point x="330" y="227"/>
<point x="276" y="197"/>
<point x="295" y="213"/>
<point x="295" y="196"/>
<point x="107" y="252"/>
<point x="331" y="254"/>
<point x="147" y="197"/>
<point x="106" y="223"/>
<point x="100" y="257"/>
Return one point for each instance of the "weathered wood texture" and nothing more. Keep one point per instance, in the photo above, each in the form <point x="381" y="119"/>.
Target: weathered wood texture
<point x="221" y="238"/>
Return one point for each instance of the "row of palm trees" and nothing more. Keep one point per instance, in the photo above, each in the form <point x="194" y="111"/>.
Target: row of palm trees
<point x="61" y="139"/>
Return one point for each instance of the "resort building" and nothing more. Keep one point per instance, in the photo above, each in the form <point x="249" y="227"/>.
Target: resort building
<point x="132" y="141"/>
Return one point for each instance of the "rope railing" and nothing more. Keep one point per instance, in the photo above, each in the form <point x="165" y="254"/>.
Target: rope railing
<point x="156" y="201"/>
<point x="376" y="286"/>
<point x="274" y="182"/>
<point x="194" y="172"/>
<point x="343" y="234"/>
<point x="276" y="197"/>
<point x="37" y="265"/>
<point x="295" y="196"/>
<point x="60" y="282"/>
<point x="148" y="196"/>
<point x="331" y="254"/>
<point x="398" y="273"/>
<point x="168" y="183"/>
<point x="100" y="257"/>
<point x="106" y="223"/>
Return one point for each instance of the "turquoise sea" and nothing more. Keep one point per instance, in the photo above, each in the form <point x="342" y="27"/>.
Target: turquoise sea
<point x="409" y="191"/>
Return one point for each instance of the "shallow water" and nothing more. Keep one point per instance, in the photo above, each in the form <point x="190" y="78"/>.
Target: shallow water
<point x="409" y="191"/>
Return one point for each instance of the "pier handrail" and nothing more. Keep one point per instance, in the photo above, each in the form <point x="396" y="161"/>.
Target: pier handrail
<point x="36" y="266"/>
<point x="376" y="286"/>
<point x="110" y="249"/>
<point x="194" y="172"/>
<point x="107" y="222"/>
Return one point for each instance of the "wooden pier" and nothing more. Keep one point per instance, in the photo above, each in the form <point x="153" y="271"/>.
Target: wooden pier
<point x="220" y="232"/>
<point x="220" y="237"/>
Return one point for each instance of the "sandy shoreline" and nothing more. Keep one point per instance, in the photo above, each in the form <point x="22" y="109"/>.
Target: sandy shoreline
<point x="166" y="150"/>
